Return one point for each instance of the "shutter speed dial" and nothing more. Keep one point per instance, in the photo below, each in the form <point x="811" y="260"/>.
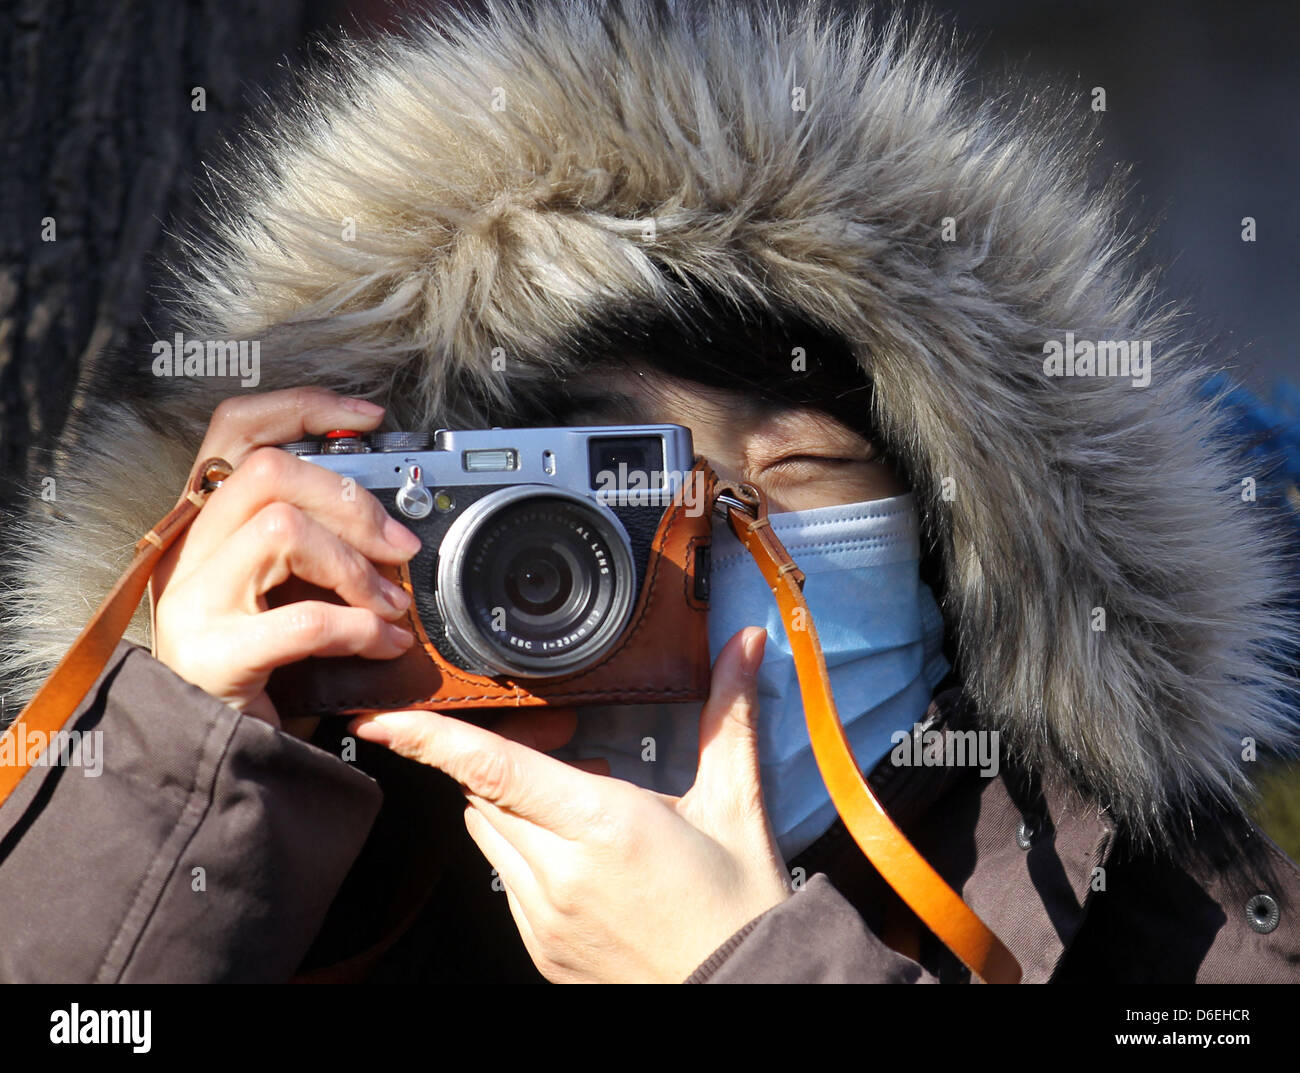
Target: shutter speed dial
<point x="399" y="441"/>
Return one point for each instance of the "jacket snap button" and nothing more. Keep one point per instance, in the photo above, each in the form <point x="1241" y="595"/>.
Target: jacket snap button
<point x="1025" y="836"/>
<point x="1262" y="913"/>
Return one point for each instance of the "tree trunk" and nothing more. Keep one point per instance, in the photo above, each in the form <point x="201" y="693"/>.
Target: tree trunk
<point x="103" y="135"/>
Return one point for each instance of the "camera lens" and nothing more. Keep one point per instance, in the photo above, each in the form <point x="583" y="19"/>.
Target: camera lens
<point x="539" y="581"/>
<point x="535" y="582"/>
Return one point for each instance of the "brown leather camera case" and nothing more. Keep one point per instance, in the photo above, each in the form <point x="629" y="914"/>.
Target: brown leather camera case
<point x="662" y="656"/>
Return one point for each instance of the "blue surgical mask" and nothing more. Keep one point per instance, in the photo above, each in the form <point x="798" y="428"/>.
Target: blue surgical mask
<point x="882" y="635"/>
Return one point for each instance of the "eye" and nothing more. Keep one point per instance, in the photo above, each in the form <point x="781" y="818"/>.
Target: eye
<point x="815" y="470"/>
<point x="799" y="445"/>
<point x="819" y="460"/>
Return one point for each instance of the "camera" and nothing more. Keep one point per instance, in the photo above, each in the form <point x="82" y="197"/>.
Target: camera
<point x="559" y="566"/>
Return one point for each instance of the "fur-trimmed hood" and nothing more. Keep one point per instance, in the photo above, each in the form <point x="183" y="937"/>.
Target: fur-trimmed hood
<point x="504" y="181"/>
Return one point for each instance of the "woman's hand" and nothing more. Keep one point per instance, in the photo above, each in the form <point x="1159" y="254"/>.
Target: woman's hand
<point x="609" y="882"/>
<point x="278" y="516"/>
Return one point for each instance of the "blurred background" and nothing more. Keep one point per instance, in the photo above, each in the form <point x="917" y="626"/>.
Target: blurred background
<point x="101" y="136"/>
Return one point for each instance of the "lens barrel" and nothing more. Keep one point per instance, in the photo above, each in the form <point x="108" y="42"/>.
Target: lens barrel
<point x="535" y="582"/>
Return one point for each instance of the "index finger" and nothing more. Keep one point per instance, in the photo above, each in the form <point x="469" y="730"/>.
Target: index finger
<point x="242" y="424"/>
<point x="532" y="785"/>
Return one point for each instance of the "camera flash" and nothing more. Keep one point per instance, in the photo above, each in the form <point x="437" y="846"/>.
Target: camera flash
<point x="491" y="459"/>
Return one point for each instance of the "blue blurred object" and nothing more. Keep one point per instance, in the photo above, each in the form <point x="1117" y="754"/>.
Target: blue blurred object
<point x="1269" y="431"/>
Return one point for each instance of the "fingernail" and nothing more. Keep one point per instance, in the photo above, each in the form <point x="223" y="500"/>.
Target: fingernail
<point x="369" y="728"/>
<point x="401" y="538"/>
<point x="397" y="597"/>
<point x="400" y="637"/>
<point x="752" y="651"/>
<point x="382" y="729"/>
<point x="372" y="731"/>
<point x="361" y="406"/>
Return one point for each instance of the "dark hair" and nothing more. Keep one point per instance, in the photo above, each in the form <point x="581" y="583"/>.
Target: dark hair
<point x="780" y="357"/>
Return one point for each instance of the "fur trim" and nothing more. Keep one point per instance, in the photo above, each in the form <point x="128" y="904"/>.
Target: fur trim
<point x="501" y="171"/>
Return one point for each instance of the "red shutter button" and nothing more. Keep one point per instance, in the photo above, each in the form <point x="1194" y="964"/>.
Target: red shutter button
<point x="343" y="441"/>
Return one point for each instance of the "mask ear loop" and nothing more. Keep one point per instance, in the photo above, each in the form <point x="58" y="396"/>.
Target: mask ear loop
<point x="886" y="847"/>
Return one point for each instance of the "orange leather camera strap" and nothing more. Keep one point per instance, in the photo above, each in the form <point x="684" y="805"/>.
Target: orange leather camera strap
<point x="56" y="700"/>
<point x="886" y="847"/>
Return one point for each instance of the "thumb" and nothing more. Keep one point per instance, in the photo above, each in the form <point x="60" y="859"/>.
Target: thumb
<point x="727" y="780"/>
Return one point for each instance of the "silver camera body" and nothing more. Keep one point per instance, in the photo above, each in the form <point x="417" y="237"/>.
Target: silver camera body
<point x="536" y="540"/>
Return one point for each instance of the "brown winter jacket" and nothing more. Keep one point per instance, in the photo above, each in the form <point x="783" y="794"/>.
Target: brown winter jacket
<point x="212" y="846"/>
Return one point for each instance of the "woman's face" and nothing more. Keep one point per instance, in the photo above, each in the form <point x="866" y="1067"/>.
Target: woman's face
<point x="800" y="457"/>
